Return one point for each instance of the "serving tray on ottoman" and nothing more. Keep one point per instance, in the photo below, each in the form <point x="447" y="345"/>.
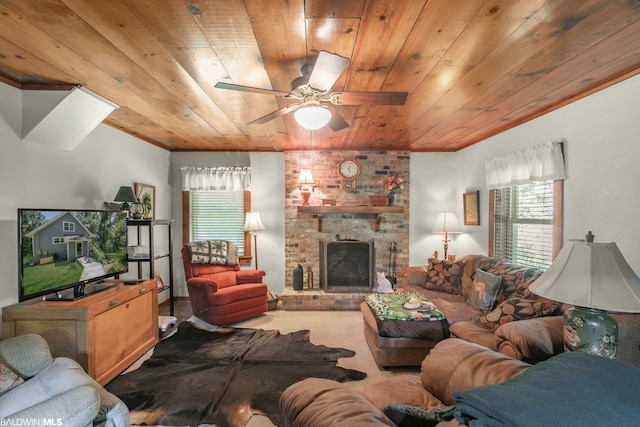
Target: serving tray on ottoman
<point x="401" y="342"/>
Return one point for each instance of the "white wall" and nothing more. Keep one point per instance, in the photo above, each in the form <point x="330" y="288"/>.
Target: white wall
<point x="267" y="197"/>
<point x="37" y="176"/>
<point x="602" y="152"/>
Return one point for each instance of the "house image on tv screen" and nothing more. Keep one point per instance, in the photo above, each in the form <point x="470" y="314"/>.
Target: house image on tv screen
<point x="65" y="247"/>
<point x="63" y="237"/>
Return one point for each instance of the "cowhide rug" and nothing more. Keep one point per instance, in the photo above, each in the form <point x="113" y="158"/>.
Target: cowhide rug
<point x="224" y="377"/>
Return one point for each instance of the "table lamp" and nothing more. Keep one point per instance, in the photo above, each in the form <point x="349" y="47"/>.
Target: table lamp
<point x="126" y="195"/>
<point x="306" y="184"/>
<point x="252" y="224"/>
<point x="595" y="278"/>
<point x="447" y="223"/>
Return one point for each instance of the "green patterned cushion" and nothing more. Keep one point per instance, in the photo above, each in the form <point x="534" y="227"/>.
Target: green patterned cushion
<point x="410" y="416"/>
<point x="397" y="306"/>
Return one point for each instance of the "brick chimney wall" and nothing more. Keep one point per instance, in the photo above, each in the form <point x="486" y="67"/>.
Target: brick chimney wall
<point x="301" y="229"/>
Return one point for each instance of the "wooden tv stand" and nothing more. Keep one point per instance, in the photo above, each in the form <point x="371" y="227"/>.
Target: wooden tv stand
<point x="105" y="332"/>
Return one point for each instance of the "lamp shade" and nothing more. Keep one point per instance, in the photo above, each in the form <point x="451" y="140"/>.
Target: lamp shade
<point x="592" y="275"/>
<point x="313" y="117"/>
<point x="253" y="222"/>
<point x="305" y="178"/>
<point x="125" y="194"/>
<point x="447" y="222"/>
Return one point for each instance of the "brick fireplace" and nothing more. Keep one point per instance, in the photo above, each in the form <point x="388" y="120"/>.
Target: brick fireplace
<point x="304" y="230"/>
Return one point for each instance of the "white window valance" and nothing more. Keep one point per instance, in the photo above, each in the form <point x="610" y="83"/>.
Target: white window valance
<point x="219" y="178"/>
<point x="539" y="163"/>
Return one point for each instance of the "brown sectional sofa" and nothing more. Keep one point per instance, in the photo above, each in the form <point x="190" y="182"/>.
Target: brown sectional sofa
<point x="453" y="365"/>
<point x="521" y="324"/>
<point x="480" y="387"/>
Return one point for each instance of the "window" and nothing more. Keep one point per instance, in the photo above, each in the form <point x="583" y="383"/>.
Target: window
<point x="218" y="215"/>
<point x="526" y="223"/>
<point x="58" y="240"/>
<point x="68" y="226"/>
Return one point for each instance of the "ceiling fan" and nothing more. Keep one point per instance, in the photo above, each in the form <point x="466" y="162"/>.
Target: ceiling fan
<point x="313" y="90"/>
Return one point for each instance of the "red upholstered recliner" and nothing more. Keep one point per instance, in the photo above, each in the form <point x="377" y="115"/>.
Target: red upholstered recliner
<point x="224" y="294"/>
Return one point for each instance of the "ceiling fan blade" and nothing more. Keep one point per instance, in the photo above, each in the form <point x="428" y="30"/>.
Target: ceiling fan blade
<point x="231" y="86"/>
<point x="275" y="114"/>
<point x="327" y="69"/>
<point x="372" y="98"/>
<point x="337" y="122"/>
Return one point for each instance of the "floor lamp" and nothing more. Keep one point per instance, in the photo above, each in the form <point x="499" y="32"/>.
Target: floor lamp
<point x="252" y="224"/>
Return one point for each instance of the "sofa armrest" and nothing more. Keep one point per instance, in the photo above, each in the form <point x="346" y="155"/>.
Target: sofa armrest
<point x="532" y="340"/>
<point x="77" y="406"/>
<point x="457" y="365"/>
<point x="249" y="276"/>
<point x="413" y="276"/>
<point x="14" y="351"/>
<point x="318" y="402"/>
<point x="203" y="284"/>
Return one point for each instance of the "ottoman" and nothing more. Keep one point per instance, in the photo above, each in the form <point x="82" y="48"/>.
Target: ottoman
<point x="400" y="342"/>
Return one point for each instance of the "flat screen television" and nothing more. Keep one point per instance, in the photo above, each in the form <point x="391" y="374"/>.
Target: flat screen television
<point x="67" y="254"/>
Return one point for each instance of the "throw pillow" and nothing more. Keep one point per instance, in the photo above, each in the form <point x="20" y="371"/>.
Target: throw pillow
<point x="517" y="308"/>
<point x="410" y="416"/>
<point x="8" y="379"/>
<point x="484" y="290"/>
<point x="444" y="276"/>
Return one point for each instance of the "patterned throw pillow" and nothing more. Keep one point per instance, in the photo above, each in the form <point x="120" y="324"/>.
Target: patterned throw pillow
<point x="444" y="276"/>
<point x="518" y="308"/>
<point x="218" y="252"/>
<point x="8" y="379"/>
<point x="484" y="291"/>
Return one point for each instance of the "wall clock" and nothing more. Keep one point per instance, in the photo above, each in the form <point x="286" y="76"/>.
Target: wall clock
<point x="349" y="171"/>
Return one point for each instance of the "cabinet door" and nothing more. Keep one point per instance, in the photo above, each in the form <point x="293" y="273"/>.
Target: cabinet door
<point x="122" y="335"/>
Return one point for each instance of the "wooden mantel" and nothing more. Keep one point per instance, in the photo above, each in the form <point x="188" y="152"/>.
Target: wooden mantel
<point x="378" y="211"/>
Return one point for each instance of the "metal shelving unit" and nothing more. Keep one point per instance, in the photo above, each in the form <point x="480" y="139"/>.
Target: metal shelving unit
<point x="150" y="258"/>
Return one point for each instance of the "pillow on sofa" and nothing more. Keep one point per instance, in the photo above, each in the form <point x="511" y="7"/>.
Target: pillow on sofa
<point x="517" y="308"/>
<point x="515" y="279"/>
<point x="411" y="416"/>
<point x="484" y="291"/>
<point x="444" y="276"/>
<point x="8" y="379"/>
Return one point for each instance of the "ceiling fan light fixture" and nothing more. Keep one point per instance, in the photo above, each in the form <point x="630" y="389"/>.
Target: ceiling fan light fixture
<point x="313" y="117"/>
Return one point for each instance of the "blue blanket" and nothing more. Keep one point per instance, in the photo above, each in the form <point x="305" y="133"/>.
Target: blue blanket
<point x="571" y="389"/>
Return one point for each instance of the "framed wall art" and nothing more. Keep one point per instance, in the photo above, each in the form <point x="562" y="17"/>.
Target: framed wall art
<point x="146" y="194"/>
<point x="471" y="200"/>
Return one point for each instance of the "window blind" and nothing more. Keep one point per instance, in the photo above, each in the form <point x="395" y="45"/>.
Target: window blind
<point x="523" y="224"/>
<point x="217" y="215"/>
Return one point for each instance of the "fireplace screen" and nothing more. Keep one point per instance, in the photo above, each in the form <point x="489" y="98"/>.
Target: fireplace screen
<point x="347" y="266"/>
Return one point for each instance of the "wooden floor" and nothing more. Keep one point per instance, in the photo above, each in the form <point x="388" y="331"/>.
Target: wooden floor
<point x="181" y="308"/>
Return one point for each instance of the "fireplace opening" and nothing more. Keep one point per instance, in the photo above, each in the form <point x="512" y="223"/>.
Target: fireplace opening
<point x="347" y="266"/>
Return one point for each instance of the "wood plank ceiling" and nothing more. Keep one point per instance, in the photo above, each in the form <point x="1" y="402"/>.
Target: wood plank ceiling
<point x="472" y="68"/>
